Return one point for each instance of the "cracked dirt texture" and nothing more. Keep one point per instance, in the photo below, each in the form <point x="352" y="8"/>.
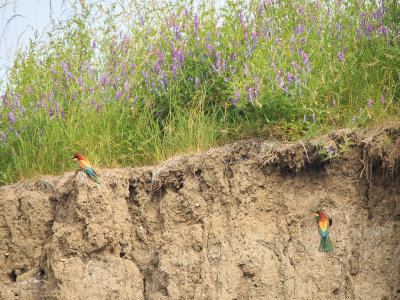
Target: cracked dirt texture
<point x="231" y="223"/>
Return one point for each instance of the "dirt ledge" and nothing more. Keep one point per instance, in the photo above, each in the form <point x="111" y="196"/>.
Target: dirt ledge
<point x="231" y="223"/>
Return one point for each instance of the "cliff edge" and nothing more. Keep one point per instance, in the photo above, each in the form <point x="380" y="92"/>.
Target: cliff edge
<point x="231" y="223"/>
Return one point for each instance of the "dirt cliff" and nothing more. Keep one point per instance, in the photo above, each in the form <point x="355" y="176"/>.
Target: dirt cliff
<point x="231" y="223"/>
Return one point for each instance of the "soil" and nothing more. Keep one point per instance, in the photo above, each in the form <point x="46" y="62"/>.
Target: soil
<point x="230" y="223"/>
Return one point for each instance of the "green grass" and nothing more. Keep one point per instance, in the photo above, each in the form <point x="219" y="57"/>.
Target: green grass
<point x="184" y="79"/>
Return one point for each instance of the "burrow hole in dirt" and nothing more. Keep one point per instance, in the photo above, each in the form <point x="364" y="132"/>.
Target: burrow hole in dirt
<point x="13" y="276"/>
<point x="42" y="273"/>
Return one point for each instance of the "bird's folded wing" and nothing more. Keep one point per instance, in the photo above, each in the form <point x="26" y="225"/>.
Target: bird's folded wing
<point x="84" y="164"/>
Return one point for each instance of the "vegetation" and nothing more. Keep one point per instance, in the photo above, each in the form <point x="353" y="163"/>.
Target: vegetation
<point x="183" y="78"/>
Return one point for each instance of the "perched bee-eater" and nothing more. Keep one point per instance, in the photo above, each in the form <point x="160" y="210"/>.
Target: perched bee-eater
<point x="84" y="165"/>
<point x="324" y="223"/>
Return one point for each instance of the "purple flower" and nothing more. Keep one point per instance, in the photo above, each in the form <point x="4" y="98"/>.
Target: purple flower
<point x="93" y="104"/>
<point x="177" y="32"/>
<point x="218" y="60"/>
<point x="17" y="102"/>
<point x="145" y="77"/>
<point x="255" y="92"/>
<point x="288" y="78"/>
<point x="304" y="118"/>
<point x="80" y="81"/>
<point x="233" y="56"/>
<point x="313" y="118"/>
<point x="196" y="24"/>
<point x="118" y="94"/>
<point x="354" y="119"/>
<point x="164" y="76"/>
<point x="281" y="83"/>
<point x="370" y="103"/>
<point x="334" y="103"/>
<point x="65" y="69"/>
<point x="12" y="118"/>
<point x="249" y="90"/>
<point x="196" y="82"/>
<point x="62" y="112"/>
<point x="240" y="15"/>
<point x="94" y="44"/>
<point x="383" y="100"/>
<point x="174" y="70"/>
<point x="158" y="67"/>
<point x="98" y="107"/>
<point x="250" y="98"/>
<point x="305" y="57"/>
<point x="340" y="56"/>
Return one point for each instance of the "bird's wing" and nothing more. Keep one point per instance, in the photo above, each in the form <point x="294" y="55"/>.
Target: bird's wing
<point x="84" y="164"/>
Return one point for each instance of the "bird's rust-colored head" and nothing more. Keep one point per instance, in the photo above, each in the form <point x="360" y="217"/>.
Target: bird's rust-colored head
<point x="321" y="216"/>
<point x="76" y="157"/>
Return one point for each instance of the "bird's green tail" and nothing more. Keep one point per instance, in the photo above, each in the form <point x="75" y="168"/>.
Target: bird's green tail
<point x="326" y="244"/>
<point x="95" y="178"/>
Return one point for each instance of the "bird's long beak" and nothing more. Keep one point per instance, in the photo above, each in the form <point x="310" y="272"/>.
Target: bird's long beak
<point x="71" y="157"/>
<point x="315" y="212"/>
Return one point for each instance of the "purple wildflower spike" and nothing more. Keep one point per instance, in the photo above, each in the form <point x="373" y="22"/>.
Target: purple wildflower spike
<point x="12" y="118"/>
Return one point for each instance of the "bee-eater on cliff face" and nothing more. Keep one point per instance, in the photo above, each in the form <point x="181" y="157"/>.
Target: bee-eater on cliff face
<point x="84" y="165"/>
<point x="324" y="223"/>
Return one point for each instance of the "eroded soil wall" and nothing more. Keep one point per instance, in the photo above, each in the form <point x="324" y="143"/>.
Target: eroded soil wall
<point x="231" y="223"/>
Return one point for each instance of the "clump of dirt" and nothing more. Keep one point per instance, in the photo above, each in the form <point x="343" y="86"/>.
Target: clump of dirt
<point x="231" y="223"/>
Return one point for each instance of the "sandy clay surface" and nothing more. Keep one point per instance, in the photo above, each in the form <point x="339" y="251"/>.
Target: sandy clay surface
<point x="231" y="223"/>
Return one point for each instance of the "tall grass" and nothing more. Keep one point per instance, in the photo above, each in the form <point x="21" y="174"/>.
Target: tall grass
<point x="182" y="79"/>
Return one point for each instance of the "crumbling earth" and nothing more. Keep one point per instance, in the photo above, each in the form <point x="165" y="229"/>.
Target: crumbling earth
<point x="231" y="223"/>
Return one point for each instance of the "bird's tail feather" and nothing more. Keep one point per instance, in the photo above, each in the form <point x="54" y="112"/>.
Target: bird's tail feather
<point x="326" y="244"/>
<point x="95" y="178"/>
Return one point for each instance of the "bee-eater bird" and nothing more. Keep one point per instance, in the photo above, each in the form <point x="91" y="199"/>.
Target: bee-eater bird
<point x="324" y="223"/>
<point x="84" y="165"/>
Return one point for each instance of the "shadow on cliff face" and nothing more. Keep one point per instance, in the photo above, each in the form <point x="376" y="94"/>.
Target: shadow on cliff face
<point x="231" y="223"/>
